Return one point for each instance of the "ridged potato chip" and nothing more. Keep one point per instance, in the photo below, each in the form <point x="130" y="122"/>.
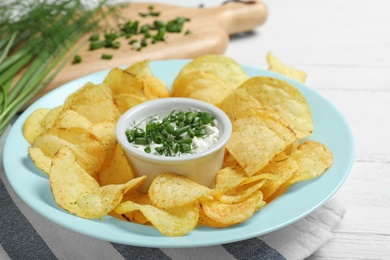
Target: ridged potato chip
<point x="256" y="140"/>
<point x="116" y="169"/>
<point x="209" y="78"/>
<point x="40" y="120"/>
<point x="276" y="65"/>
<point x="94" y="102"/>
<point x="201" y="85"/>
<point x="171" y="190"/>
<point x="174" y="222"/>
<point x="153" y="86"/>
<point x="90" y="152"/>
<point x="230" y="214"/>
<point x="77" y="192"/>
<point x="283" y="99"/>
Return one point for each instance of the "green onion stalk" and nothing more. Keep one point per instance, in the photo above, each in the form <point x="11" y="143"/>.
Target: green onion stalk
<point x="37" y="39"/>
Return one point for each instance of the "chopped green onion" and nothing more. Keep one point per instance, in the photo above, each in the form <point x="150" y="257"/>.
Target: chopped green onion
<point x="76" y="59"/>
<point x="174" y="133"/>
<point x="106" y="56"/>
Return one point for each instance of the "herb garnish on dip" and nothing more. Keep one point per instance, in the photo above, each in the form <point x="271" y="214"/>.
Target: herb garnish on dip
<point x="179" y="133"/>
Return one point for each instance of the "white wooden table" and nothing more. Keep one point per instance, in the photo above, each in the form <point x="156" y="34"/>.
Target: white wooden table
<point x="344" y="46"/>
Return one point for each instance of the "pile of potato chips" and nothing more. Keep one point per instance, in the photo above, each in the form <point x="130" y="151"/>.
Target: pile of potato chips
<point x="90" y="176"/>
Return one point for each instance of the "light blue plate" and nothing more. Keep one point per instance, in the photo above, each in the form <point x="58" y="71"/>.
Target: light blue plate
<point x="300" y="200"/>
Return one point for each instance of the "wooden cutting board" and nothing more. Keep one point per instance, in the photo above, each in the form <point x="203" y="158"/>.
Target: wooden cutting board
<point x="210" y="30"/>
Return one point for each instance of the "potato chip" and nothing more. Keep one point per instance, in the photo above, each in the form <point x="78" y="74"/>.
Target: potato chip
<point x="240" y="104"/>
<point x="276" y="65"/>
<point x="52" y="116"/>
<point x="283" y="169"/>
<point x="221" y="66"/>
<point x="33" y="127"/>
<point x="170" y="190"/>
<point x="228" y="178"/>
<point x="201" y="85"/>
<point x="70" y="118"/>
<point x="94" y="102"/>
<point x="42" y="161"/>
<point x="121" y="82"/>
<point x="231" y="214"/>
<point x="125" y="101"/>
<point x="153" y="86"/>
<point x="39" y="121"/>
<point x="209" y="78"/>
<point x="135" y="216"/>
<point x="175" y="222"/>
<point x="313" y="159"/>
<point x="256" y="140"/>
<point x="116" y="168"/>
<point x="241" y="193"/>
<point x="77" y="192"/>
<point x="89" y="150"/>
<point x="284" y="100"/>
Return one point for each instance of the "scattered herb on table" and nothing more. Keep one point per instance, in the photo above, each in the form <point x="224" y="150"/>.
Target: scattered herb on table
<point x="139" y="35"/>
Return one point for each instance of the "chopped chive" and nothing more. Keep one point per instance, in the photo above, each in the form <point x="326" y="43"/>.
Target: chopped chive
<point x="106" y="56"/>
<point x="174" y="133"/>
<point x="76" y="59"/>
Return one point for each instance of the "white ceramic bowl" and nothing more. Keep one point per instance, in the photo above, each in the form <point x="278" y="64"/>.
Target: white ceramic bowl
<point x="200" y="167"/>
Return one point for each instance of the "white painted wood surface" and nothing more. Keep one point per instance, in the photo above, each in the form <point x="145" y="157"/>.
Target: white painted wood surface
<point x="344" y="46"/>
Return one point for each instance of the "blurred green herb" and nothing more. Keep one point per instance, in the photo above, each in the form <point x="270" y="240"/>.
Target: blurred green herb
<point x="138" y="34"/>
<point x="35" y="40"/>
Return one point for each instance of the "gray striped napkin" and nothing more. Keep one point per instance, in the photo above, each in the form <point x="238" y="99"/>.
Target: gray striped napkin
<point x="27" y="235"/>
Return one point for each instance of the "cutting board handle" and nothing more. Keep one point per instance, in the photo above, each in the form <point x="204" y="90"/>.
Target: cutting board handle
<point x="240" y="16"/>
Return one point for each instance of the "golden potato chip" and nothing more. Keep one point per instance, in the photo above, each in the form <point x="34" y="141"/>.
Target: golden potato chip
<point x="231" y="214"/>
<point x="228" y="178"/>
<point x="40" y="120"/>
<point x="175" y="222"/>
<point x="170" y="191"/>
<point x="52" y="116"/>
<point x="284" y="169"/>
<point x="33" y="127"/>
<point x="116" y="168"/>
<point x="121" y="82"/>
<point x="229" y="160"/>
<point x="94" y="102"/>
<point x="140" y="69"/>
<point x="153" y="86"/>
<point x="284" y="100"/>
<point x="77" y="192"/>
<point x="125" y="101"/>
<point x="256" y="140"/>
<point x="241" y="193"/>
<point x="70" y="118"/>
<point x="209" y="78"/>
<point x="42" y="161"/>
<point x="221" y="66"/>
<point x="201" y="85"/>
<point x="240" y="104"/>
<point x="276" y="65"/>
<point x="313" y="159"/>
<point x="89" y="150"/>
